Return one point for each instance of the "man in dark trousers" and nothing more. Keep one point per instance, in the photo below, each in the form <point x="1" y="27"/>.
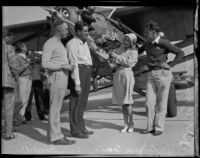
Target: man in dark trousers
<point x="37" y="88"/>
<point x="79" y="83"/>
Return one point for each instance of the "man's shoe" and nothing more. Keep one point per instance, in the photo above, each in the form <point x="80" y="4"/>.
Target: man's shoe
<point x="157" y="133"/>
<point x="41" y="116"/>
<point x="13" y="136"/>
<point x="147" y="132"/>
<point x="88" y="132"/>
<point x="27" y="122"/>
<point x="63" y="141"/>
<point x="79" y="135"/>
<point x="43" y="119"/>
<point x="28" y="115"/>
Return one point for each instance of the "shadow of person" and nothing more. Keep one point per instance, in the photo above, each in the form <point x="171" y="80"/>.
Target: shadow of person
<point x="138" y="130"/>
<point x="93" y="124"/>
<point x="141" y="113"/>
<point x="101" y="124"/>
<point x="33" y="130"/>
<point x="138" y="104"/>
<point x="37" y="130"/>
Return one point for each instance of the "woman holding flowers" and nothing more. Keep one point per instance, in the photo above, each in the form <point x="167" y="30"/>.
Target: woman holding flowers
<point x="123" y="81"/>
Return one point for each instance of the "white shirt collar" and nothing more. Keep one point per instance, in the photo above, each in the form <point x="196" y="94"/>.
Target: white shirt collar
<point x="156" y="40"/>
<point x="23" y="55"/>
<point x="81" y="42"/>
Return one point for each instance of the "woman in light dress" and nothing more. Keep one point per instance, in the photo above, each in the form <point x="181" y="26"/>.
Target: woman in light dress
<point x="123" y="82"/>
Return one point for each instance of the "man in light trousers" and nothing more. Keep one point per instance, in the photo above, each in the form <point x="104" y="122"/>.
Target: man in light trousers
<point x="55" y="60"/>
<point x="159" y="77"/>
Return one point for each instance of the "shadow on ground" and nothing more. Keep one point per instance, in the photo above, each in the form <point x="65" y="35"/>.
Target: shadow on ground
<point x="32" y="130"/>
<point x="102" y="106"/>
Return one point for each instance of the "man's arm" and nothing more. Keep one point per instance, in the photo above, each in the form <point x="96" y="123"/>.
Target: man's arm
<point x="175" y="50"/>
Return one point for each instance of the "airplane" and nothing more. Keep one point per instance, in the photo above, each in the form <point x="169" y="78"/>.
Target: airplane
<point x="34" y="34"/>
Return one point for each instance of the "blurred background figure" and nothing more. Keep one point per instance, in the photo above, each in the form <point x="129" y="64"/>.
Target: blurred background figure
<point x="37" y="87"/>
<point x="24" y="80"/>
<point x="46" y="95"/>
<point x="9" y="77"/>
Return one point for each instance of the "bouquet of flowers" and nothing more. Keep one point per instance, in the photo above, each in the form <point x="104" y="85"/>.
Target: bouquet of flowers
<point x="107" y="42"/>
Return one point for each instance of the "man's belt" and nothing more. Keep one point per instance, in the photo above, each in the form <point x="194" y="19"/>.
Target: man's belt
<point x="84" y="65"/>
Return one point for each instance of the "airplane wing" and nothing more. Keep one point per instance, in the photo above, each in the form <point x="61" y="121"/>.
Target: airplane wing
<point x="34" y="34"/>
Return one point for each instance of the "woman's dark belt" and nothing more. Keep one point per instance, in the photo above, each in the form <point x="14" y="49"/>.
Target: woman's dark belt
<point x="159" y="67"/>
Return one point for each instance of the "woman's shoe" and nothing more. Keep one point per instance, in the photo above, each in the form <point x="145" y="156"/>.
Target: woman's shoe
<point x="124" y="130"/>
<point x="130" y="129"/>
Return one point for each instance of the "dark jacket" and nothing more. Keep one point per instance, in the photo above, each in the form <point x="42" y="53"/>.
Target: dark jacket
<point x="157" y="54"/>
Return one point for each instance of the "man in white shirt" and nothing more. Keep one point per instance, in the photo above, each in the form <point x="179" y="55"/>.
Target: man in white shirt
<point x="80" y="57"/>
<point x="55" y="60"/>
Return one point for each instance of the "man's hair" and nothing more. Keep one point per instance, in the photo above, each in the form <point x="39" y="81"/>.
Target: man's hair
<point x="79" y="25"/>
<point x="55" y="25"/>
<point x="153" y="26"/>
<point x="57" y="22"/>
<point x="18" y="46"/>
